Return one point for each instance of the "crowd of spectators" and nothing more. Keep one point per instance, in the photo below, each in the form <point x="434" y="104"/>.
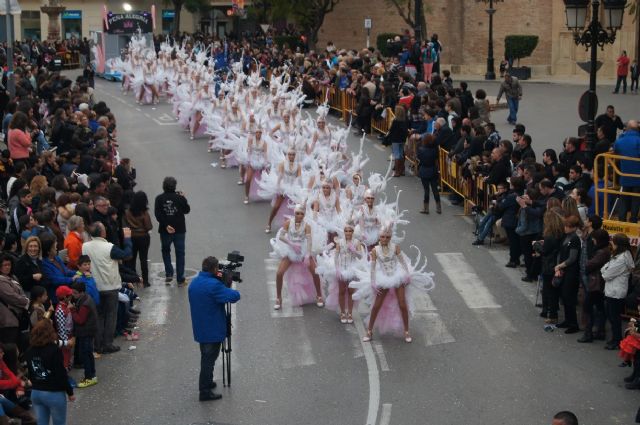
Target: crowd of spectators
<point x="68" y="275"/>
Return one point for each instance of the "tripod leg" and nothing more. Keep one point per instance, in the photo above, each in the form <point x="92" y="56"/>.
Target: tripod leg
<point x="224" y="369"/>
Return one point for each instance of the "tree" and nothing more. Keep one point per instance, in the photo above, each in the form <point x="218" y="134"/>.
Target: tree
<point x="309" y="14"/>
<point x="193" y="6"/>
<point x="262" y="9"/>
<point x="406" y="10"/>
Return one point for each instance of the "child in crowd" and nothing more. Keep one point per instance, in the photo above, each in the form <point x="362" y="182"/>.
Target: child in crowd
<point x="85" y="276"/>
<point x="38" y="308"/>
<point x="64" y="323"/>
<point x="85" y="325"/>
<point x="447" y="80"/>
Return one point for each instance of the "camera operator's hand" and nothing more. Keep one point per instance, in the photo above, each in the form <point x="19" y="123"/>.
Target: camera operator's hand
<point x="126" y="232"/>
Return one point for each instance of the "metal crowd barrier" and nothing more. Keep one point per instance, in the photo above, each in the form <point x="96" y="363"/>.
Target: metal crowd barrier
<point x="475" y="191"/>
<point x="345" y="104"/>
<point x="609" y="194"/>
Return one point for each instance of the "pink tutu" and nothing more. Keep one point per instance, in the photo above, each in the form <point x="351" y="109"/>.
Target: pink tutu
<point x="389" y="320"/>
<point x="284" y="212"/>
<point x="300" y="284"/>
<point x="253" y="190"/>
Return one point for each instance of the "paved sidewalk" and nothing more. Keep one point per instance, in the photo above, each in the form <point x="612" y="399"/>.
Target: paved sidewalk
<point x="576" y="80"/>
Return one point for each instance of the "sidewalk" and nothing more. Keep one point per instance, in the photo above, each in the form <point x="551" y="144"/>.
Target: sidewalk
<point x="576" y="80"/>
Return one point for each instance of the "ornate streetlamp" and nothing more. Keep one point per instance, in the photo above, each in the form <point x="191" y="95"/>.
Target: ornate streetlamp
<point x="593" y="34"/>
<point x="491" y="73"/>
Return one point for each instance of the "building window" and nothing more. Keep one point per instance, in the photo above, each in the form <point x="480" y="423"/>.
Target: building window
<point x="168" y="21"/>
<point x="71" y="24"/>
<point x="30" y="24"/>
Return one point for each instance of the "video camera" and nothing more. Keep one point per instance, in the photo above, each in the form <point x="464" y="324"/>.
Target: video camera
<point x="228" y="272"/>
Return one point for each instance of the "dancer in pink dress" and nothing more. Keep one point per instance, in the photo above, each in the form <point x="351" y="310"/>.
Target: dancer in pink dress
<point x="293" y="245"/>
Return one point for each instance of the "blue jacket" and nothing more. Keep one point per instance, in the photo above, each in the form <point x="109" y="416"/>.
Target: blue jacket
<point x="56" y="274"/>
<point x="207" y="297"/>
<point x="628" y="144"/>
<point x="90" y="285"/>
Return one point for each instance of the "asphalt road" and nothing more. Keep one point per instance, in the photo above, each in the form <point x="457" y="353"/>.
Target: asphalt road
<point x="479" y="356"/>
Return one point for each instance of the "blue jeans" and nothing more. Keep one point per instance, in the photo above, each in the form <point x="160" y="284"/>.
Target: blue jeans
<point x="41" y="143"/>
<point x="208" y="356"/>
<point x="50" y="405"/>
<point x="85" y="349"/>
<point x="177" y="239"/>
<point x="513" y="109"/>
<point x="485" y="225"/>
<point x="397" y="150"/>
<point x="6" y="406"/>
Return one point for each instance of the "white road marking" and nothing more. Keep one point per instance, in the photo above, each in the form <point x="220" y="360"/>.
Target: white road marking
<point x="374" y="374"/>
<point x="385" y="417"/>
<point x="434" y="331"/>
<point x="384" y="364"/>
<point x="301" y="352"/>
<point x="164" y="123"/>
<point x="474" y="293"/>
<point x="465" y="280"/>
<point x="527" y="289"/>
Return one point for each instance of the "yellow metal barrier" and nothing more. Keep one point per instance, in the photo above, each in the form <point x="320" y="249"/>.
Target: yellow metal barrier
<point x="608" y="193"/>
<point x="383" y="125"/>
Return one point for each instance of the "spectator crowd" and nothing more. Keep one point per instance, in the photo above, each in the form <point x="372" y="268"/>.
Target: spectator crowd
<point x="71" y="229"/>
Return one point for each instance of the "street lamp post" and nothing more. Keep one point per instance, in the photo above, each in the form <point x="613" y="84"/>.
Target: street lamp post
<point x="417" y="31"/>
<point x="491" y="73"/>
<point x="592" y="36"/>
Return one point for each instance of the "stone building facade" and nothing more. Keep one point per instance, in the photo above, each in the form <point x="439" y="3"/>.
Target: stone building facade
<point x="463" y="27"/>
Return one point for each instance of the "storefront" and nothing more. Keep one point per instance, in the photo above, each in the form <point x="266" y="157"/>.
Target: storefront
<point x="168" y="21"/>
<point x="71" y="24"/>
<point x="30" y="25"/>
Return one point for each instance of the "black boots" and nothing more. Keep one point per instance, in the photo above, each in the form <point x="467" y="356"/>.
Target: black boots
<point x="587" y="337"/>
<point x="425" y="208"/>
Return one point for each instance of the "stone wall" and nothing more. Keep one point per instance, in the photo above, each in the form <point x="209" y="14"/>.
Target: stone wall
<point x="463" y="27"/>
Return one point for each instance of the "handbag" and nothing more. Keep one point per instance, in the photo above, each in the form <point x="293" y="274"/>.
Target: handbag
<point x="556" y="282"/>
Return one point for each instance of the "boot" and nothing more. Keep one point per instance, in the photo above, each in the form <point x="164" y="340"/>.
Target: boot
<point x="587" y="337"/>
<point x="25" y="416"/>
<point x="402" y="168"/>
<point x="438" y="207"/>
<point x="600" y="335"/>
<point x="425" y="208"/>
<point x="396" y="168"/>
<point x="633" y="385"/>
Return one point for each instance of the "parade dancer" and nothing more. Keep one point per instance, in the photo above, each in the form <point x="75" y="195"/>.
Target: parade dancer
<point x="293" y="245"/>
<point x="326" y="208"/>
<point x="369" y="220"/>
<point x="391" y="284"/>
<point x="257" y="152"/>
<point x="289" y="173"/>
<point x="340" y="267"/>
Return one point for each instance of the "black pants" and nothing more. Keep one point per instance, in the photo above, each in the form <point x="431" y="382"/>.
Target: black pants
<point x="527" y="251"/>
<point x="621" y="79"/>
<point x="514" y="245"/>
<point x="140" y="247"/>
<point x="634" y="84"/>
<point x="569" y="292"/>
<point x="550" y="297"/>
<point x="594" y="307"/>
<point x="614" y="308"/>
<point x="208" y="356"/>
<point x="627" y="203"/>
<point x="107" y="318"/>
<point x="9" y="335"/>
<point x="432" y="183"/>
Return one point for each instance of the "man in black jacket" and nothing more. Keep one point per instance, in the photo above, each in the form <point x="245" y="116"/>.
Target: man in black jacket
<point x="499" y="170"/>
<point x="444" y="135"/>
<point x="170" y="209"/>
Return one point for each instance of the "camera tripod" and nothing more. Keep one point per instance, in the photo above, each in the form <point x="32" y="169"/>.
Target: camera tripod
<point x="226" y="349"/>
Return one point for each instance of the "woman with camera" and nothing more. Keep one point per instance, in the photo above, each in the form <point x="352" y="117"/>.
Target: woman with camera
<point x="616" y="284"/>
<point x="567" y="273"/>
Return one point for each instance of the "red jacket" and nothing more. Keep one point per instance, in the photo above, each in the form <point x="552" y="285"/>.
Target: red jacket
<point x="8" y="381"/>
<point x="623" y="66"/>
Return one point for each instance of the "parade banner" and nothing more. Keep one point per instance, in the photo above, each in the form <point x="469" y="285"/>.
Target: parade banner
<point x="128" y="23"/>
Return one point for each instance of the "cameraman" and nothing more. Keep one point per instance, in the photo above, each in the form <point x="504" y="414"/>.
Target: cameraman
<point x="207" y="299"/>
